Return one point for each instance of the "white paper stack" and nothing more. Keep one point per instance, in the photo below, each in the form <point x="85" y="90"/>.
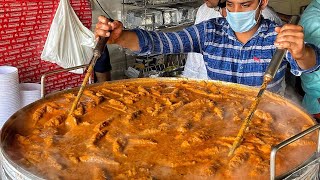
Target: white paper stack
<point x="30" y="92"/>
<point x="9" y="92"/>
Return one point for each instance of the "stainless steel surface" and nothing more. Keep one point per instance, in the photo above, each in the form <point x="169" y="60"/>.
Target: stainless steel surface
<point x="43" y="77"/>
<point x="311" y="171"/>
<point x="274" y="64"/>
<point x="9" y="127"/>
<point x="287" y="142"/>
<point x="10" y="171"/>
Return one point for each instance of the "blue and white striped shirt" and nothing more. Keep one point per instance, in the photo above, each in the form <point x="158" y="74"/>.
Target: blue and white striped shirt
<point x="226" y="58"/>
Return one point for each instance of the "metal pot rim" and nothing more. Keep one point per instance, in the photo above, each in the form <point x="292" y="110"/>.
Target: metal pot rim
<point x="5" y="131"/>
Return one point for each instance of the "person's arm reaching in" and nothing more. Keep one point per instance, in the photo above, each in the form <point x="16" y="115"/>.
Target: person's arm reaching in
<point x="291" y="37"/>
<point x="125" y="38"/>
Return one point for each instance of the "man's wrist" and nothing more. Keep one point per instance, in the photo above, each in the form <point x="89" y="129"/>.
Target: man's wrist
<point x="308" y="59"/>
<point x="304" y="54"/>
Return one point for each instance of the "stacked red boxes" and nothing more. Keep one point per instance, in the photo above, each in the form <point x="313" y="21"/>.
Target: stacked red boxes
<point x="24" y="26"/>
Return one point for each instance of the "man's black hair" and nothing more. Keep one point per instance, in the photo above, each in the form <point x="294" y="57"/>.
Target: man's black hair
<point x="222" y="4"/>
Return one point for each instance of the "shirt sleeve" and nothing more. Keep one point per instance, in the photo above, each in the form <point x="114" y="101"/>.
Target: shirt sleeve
<point x="190" y="39"/>
<point x="195" y="67"/>
<point x="296" y="70"/>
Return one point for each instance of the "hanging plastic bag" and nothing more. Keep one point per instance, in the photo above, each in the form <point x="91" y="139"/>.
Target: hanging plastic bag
<point x="69" y="42"/>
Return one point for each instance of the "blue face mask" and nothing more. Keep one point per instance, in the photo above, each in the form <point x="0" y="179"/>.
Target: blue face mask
<point x="242" y="21"/>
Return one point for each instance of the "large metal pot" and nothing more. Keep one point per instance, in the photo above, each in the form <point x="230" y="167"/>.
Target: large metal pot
<point x="16" y="124"/>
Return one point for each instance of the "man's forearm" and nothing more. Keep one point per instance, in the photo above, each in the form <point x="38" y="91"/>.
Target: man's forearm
<point x="308" y="60"/>
<point x="128" y="39"/>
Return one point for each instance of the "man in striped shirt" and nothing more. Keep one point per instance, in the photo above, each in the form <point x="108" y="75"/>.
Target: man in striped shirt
<point x="235" y="49"/>
<point x="195" y="67"/>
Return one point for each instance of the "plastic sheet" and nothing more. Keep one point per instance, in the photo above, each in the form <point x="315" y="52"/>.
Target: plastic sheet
<point x="29" y="92"/>
<point x="69" y="42"/>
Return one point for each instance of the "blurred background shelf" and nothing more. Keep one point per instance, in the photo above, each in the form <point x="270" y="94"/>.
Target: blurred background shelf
<point x="159" y="15"/>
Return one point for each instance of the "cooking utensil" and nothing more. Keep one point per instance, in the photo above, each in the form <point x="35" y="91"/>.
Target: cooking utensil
<point x="268" y="77"/>
<point x="15" y="126"/>
<point x="96" y="55"/>
<point x="97" y="52"/>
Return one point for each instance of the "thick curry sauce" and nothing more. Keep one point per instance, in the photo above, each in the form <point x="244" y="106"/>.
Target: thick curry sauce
<point x="153" y="129"/>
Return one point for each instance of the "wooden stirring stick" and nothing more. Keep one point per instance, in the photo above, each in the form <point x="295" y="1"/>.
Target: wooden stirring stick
<point x="248" y="119"/>
<point x="97" y="52"/>
<point x="268" y="77"/>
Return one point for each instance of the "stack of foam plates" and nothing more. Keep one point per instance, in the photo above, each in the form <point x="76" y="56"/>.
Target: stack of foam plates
<point x="30" y="92"/>
<point x="9" y="92"/>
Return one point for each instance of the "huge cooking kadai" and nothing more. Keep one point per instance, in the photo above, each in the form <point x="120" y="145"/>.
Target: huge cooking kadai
<point x="155" y="129"/>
